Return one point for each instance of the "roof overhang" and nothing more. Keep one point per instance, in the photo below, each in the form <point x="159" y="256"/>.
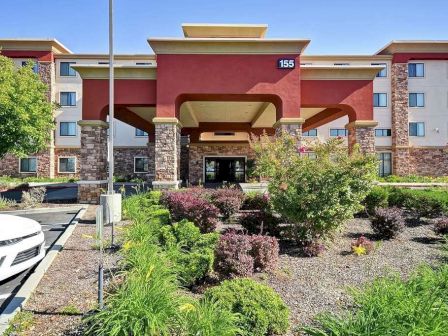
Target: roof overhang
<point x="350" y="72"/>
<point x="227" y="45"/>
<point x="136" y="57"/>
<point x="52" y="45"/>
<point x="342" y="58"/>
<point x="206" y="30"/>
<point x="417" y="46"/>
<point x="101" y="71"/>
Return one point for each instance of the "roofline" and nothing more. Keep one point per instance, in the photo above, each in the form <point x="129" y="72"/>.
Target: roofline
<point x="54" y="42"/>
<point x="348" y="57"/>
<point x="106" y="56"/>
<point x="388" y="45"/>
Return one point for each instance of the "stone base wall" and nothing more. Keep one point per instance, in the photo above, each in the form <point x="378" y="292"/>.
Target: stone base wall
<point x="124" y="162"/>
<point x="10" y="165"/>
<point x="199" y="151"/>
<point x="363" y="136"/>
<point x="401" y="161"/>
<point x="90" y="193"/>
<point x="428" y="161"/>
<point x="167" y="152"/>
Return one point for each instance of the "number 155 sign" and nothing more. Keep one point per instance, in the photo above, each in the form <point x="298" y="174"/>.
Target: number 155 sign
<point x="284" y="63"/>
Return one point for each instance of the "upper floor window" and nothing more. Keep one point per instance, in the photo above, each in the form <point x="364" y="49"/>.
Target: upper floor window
<point x="67" y="128"/>
<point x="416" y="100"/>
<point x="416" y="69"/>
<point x="140" y="133"/>
<point x="141" y="165"/>
<point x="67" y="99"/>
<point x="334" y="132"/>
<point x="28" y="165"/>
<point x="341" y="64"/>
<point x="103" y="62"/>
<point x="383" y="72"/>
<point x="35" y="65"/>
<point x="67" y="165"/>
<point x="417" y="129"/>
<point x="142" y="63"/>
<point x="311" y="132"/>
<point x="383" y="132"/>
<point x="65" y="69"/>
<point x="380" y="99"/>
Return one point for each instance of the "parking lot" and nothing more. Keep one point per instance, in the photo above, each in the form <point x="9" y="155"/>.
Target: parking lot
<point x="53" y="222"/>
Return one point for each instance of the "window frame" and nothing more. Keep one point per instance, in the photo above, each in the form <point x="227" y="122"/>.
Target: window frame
<point x="35" y="66"/>
<point x="135" y="161"/>
<point x="335" y="136"/>
<point x="140" y="136"/>
<point x="417" y="122"/>
<point x="416" y="63"/>
<point x="385" y="69"/>
<point x="379" y="166"/>
<point x="28" y="172"/>
<point x="380" y="93"/>
<point x="416" y="99"/>
<point x="66" y="157"/>
<point x="388" y="132"/>
<point x="313" y="129"/>
<point x="68" y="122"/>
<point x="69" y="69"/>
<point x="60" y="98"/>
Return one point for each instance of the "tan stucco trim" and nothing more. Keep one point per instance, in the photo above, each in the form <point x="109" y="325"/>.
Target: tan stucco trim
<point x="362" y="124"/>
<point x="332" y="58"/>
<point x="334" y="72"/>
<point x="167" y="120"/>
<point x="210" y="30"/>
<point x="289" y="121"/>
<point x="227" y="46"/>
<point x="210" y="137"/>
<point x="101" y="71"/>
<point x="136" y="57"/>
<point x="35" y="45"/>
<point x="96" y="123"/>
<point x="414" y="46"/>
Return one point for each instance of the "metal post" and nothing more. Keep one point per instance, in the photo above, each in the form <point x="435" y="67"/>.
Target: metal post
<point x="100" y="238"/>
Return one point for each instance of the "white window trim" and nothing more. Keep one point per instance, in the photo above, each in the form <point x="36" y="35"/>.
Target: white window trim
<point x="386" y="68"/>
<point x="63" y="76"/>
<point x="387" y="100"/>
<point x="29" y="157"/>
<point x="335" y="136"/>
<point x="417" y="107"/>
<point x="140" y="157"/>
<point x="424" y="70"/>
<point x="69" y="106"/>
<point x="67" y="136"/>
<point x="66" y="157"/>
<point x="417" y="136"/>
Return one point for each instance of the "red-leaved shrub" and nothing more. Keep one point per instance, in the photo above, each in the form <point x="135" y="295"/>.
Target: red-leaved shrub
<point x="233" y="257"/>
<point x="313" y="248"/>
<point x="441" y="226"/>
<point x="387" y="223"/>
<point x="227" y="200"/>
<point x="188" y="205"/>
<point x="260" y="222"/>
<point x="257" y="201"/>
<point x="265" y="251"/>
<point x="362" y="245"/>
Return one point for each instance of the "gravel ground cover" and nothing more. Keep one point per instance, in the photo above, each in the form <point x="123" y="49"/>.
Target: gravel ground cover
<point x="69" y="288"/>
<point x="313" y="285"/>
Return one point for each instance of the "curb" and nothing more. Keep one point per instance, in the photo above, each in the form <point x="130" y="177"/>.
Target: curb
<point x="33" y="280"/>
<point x="42" y="210"/>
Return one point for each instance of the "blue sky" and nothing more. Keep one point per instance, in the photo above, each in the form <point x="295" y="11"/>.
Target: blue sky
<point x="334" y="27"/>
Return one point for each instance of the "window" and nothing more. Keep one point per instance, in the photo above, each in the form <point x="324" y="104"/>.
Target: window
<point x="341" y="64"/>
<point x="67" y="165"/>
<point x="142" y="63"/>
<point x="306" y="63"/>
<point x="383" y="72"/>
<point x="380" y="99"/>
<point x="417" y="129"/>
<point x="416" y="70"/>
<point x="334" y="132"/>
<point x="383" y="132"/>
<point x="416" y="100"/>
<point x="140" y="133"/>
<point x="311" y="133"/>
<point x="65" y="69"/>
<point x="68" y="99"/>
<point x="28" y="165"/>
<point x="67" y="128"/>
<point x="103" y="62"/>
<point x="35" y="65"/>
<point x="141" y="165"/>
<point x="385" y="167"/>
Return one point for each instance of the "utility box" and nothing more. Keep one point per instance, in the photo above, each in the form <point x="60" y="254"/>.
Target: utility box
<point x="111" y="204"/>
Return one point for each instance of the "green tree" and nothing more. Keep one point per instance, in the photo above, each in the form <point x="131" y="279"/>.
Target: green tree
<point x="315" y="194"/>
<point x="26" y="116"/>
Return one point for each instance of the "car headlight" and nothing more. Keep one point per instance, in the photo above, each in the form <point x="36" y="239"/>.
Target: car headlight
<point x="17" y="240"/>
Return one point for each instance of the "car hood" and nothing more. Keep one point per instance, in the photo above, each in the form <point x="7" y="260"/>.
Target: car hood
<point x="16" y="227"/>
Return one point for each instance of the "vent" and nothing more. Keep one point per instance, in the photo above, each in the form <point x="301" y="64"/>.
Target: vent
<point x="225" y="133"/>
<point x="26" y="255"/>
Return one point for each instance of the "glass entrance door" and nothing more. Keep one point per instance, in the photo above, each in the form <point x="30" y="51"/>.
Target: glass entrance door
<point x="225" y="169"/>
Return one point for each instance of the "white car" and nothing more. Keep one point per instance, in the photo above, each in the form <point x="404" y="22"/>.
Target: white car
<point x="21" y="244"/>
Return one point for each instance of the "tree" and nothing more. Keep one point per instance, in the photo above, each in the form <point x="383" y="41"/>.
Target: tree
<point x="315" y="194"/>
<point x="26" y="116"/>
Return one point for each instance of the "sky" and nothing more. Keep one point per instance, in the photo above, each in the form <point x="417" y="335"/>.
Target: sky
<point x="334" y="27"/>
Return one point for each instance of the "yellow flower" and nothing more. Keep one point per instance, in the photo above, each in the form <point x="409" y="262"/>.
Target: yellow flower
<point x="148" y="275"/>
<point x="87" y="236"/>
<point x="359" y="250"/>
<point x="187" y="307"/>
<point x="127" y="245"/>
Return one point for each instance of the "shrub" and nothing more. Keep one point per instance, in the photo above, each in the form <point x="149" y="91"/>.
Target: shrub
<point x="441" y="226"/>
<point x="256" y="201"/>
<point x="261" y="310"/>
<point x="313" y="248"/>
<point x="376" y="198"/>
<point x="428" y="203"/>
<point x="265" y="252"/>
<point x="227" y="200"/>
<point x="260" y="222"/>
<point x="392" y="306"/>
<point x="361" y="246"/>
<point x="187" y="205"/>
<point x="315" y="195"/>
<point x="6" y="203"/>
<point x="207" y="318"/>
<point x="233" y="257"/>
<point x="387" y="222"/>
<point x="33" y="198"/>
<point x="192" y="254"/>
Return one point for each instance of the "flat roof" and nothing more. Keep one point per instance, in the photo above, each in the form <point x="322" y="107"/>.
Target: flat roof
<point x="212" y="30"/>
<point x="409" y="46"/>
<point x="34" y="44"/>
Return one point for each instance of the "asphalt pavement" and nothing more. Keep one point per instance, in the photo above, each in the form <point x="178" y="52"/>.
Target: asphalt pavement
<point x="53" y="224"/>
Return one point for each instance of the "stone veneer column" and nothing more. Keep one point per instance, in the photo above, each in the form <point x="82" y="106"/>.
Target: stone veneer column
<point x="292" y="126"/>
<point x="362" y="132"/>
<point x="93" y="167"/>
<point x="400" y="119"/>
<point x="167" y="153"/>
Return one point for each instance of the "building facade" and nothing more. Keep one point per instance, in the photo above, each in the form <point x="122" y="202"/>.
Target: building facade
<point x="185" y="113"/>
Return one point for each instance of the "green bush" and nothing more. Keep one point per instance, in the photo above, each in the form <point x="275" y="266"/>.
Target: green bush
<point x="261" y="310"/>
<point x="391" y="306"/>
<point x="414" y="178"/>
<point x="192" y="254"/>
<point x="427" y="203"/>
<point x="376" y="198"/>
